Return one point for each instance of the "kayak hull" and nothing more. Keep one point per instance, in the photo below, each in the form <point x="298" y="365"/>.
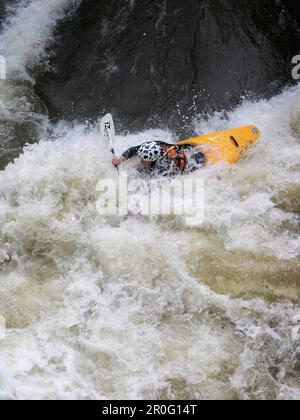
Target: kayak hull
<point x="228" y="146"/>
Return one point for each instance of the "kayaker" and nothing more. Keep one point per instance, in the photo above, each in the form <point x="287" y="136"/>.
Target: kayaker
<point x="164" y="159"/>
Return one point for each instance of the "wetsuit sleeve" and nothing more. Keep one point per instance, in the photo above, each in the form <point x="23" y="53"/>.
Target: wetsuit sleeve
<point x="130" y="153"/>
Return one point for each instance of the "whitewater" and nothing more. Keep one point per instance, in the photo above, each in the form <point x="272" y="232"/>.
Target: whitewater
<point x="105" y="307"/>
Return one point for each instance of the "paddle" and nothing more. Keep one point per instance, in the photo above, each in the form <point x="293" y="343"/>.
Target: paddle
<point x="107" y="130"/>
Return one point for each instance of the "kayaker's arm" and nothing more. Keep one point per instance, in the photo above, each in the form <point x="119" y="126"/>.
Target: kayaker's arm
<point x="130" y="153"/>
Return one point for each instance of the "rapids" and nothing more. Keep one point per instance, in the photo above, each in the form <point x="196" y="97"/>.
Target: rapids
<point x="145" y="308"/>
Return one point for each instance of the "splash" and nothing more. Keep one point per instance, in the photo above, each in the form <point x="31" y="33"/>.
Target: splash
<point x="28" y="30"/>
<point x="26" y="33"/>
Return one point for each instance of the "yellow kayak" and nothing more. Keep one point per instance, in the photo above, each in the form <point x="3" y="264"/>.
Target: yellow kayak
<point x="229" y="146"/>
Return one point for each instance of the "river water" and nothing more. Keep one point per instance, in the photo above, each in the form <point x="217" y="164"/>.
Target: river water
<point x="137" y="307"/>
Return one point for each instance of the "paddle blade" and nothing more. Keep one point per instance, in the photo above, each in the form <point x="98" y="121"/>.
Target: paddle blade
<point x="107" y="128"/>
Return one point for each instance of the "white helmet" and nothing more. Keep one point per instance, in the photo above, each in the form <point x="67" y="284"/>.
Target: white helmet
<point x="150" y="152"/>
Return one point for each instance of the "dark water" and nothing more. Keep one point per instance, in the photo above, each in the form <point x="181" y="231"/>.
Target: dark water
<point x="151" y="62"/>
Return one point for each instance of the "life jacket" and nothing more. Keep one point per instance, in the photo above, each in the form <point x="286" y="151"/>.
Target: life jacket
<point x="179" y="158"/>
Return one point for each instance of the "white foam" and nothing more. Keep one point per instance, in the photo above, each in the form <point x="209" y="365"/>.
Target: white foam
<point x="6" y="387"/>
<point x="27" y="31"/>
<point x="110" y="308"/>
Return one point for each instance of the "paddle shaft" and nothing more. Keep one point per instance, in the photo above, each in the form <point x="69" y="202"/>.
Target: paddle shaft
<point x="112" y="149"/>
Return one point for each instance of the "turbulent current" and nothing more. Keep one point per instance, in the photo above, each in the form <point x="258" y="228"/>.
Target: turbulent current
<point x="100" y="307"/>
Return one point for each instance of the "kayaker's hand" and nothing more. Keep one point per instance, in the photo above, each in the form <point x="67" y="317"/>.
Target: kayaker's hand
<point x="118" y="160"/>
